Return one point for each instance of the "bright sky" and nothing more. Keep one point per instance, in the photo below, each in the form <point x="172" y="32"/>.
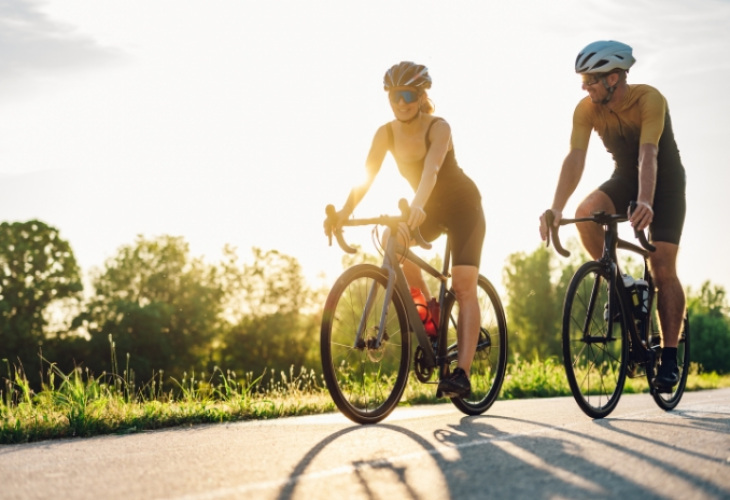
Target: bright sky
<point x="237" y="121"/>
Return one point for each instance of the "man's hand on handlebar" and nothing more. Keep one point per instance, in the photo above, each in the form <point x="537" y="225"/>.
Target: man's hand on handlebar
<point x="641" y="216"/>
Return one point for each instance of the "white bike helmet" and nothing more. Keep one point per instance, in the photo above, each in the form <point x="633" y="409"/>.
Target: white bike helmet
<point x="603" y="57"/>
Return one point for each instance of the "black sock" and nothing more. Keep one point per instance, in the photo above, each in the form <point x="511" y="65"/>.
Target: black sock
<point x="669" y="354"/>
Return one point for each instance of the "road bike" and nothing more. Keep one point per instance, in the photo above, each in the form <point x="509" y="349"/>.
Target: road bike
<point x="370" y="318"/>
<point x="610" y="328"/>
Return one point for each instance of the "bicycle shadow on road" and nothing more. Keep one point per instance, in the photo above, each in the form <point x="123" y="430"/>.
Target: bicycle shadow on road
<point x="357" y="464"/>
<point x="475" y="457"/>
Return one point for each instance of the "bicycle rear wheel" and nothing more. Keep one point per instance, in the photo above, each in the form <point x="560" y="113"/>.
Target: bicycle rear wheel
<point x="667" y="401"/>
<point x="365" y="379"/>
<point x="595" y="358"/>
<point x="490" y="359"/>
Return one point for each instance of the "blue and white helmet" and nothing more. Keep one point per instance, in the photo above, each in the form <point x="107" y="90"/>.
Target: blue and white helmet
<point x="603" y="57"/>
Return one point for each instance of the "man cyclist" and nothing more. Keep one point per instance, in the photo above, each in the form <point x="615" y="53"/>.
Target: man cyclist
<point x="634" y="124"/>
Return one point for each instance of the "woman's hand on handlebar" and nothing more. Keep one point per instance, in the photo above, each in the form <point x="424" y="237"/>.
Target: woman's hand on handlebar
<point x="416" y="216"/>
<point x="333" y="221"/>
<point x="544" y="223"/>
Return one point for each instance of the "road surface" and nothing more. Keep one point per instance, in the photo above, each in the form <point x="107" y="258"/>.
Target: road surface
<point x="536" y="449"/>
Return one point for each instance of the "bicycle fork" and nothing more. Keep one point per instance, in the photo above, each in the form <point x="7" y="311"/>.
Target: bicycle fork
<point x="395" y="279"/>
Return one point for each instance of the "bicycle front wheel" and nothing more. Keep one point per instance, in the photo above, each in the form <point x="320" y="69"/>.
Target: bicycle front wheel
<point x="667" y="401"/>
<point x="365" y="370"/>
<point x="594" y="357"/>
<point x="490" y="360"/>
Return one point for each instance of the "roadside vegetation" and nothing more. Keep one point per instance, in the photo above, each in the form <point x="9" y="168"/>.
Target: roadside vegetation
<point x="158" y="338"/>
<point x="83" y="405"/>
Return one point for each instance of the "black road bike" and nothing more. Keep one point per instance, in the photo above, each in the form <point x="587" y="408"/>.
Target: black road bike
<point x="370" y="319"/>
<point x="610" y="331"/>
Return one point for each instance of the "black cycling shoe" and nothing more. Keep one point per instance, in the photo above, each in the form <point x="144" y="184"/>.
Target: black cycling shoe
<point x="667" y="376"/>
<point x="454" y="385"/>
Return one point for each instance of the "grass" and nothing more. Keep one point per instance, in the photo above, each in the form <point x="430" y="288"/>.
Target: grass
<point x="81" y="405"/>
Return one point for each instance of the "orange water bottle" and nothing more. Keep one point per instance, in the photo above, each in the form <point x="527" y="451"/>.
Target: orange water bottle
<point x="423" y="311"/>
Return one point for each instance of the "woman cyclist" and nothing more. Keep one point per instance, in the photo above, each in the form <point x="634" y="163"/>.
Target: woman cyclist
<point x="445" y="199"/>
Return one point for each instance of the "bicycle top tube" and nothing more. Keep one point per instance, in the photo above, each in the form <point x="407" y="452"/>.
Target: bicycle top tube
<point x="609" y="223"/>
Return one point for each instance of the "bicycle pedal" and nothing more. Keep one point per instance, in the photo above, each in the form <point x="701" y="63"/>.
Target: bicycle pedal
<point x="664" y="389"/>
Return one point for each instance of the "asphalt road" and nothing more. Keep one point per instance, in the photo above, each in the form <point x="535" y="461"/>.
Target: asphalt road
<point x="537" y="449"/>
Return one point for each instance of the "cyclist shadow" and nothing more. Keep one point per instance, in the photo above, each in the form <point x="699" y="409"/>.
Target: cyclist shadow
<point x="563" y="459"/>
<point x="667" y="430"/>
<point x="356" y="465"/>
<point x="474" y="451"/>
<point x="533" y="465"/>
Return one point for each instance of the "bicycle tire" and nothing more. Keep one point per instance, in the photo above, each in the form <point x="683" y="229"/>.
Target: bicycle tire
<point x="668" y="401"/>
<point x="595" y="364"/>
<point x="490" y="360"/>
<point x="366" y="383"/>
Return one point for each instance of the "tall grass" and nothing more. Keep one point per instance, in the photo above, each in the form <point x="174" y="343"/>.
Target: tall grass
<point x="81" y="404"/>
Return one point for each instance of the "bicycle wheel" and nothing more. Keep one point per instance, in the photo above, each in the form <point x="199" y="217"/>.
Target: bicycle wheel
<point x="594" y="358"/>
<point x="365" y="380"/>
<point x="490" y="359"/>
<point x="668" y="401"/>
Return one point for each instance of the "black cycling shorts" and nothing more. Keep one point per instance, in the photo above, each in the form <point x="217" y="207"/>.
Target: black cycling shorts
<point x="465" y="223"/>
<point x="670" y="205"/>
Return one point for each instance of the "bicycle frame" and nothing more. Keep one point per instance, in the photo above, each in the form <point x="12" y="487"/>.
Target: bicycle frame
<point x="397" y="282"/>
<point x="640" y="351"/>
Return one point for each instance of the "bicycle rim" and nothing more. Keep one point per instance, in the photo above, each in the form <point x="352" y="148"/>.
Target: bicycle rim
<point x="490" y="359"/>
<point x="594" y="358"/>
<point x="668" y="401"/>
<point x="365" y="380"/>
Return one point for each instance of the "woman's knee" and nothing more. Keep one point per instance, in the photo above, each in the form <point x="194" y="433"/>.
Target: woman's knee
<point x="464" y="281"/>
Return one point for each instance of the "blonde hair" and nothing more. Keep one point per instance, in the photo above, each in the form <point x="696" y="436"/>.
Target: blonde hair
<point x="427" y="105"/>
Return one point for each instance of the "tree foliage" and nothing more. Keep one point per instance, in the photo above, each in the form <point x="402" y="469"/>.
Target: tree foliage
<point x="532" y="305"/>
<point x="266" y="304"/>
<point x="158" y="305"/>
<point x="709" y="328"/>
<point x="37" y="269"/>
<point x="155" y="309"/>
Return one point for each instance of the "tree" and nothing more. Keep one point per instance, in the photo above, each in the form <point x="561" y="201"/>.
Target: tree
<point x="266" y="305"/>
<point x="709" y="328"/>
<point x="37" y="269"/>
<point x="158" y="305"/>
<point x="532" y="305"/>
<point x="535" y="289"/>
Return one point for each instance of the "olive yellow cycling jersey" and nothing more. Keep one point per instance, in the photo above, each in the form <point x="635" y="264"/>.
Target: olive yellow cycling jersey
<point x="642" y="117"/>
